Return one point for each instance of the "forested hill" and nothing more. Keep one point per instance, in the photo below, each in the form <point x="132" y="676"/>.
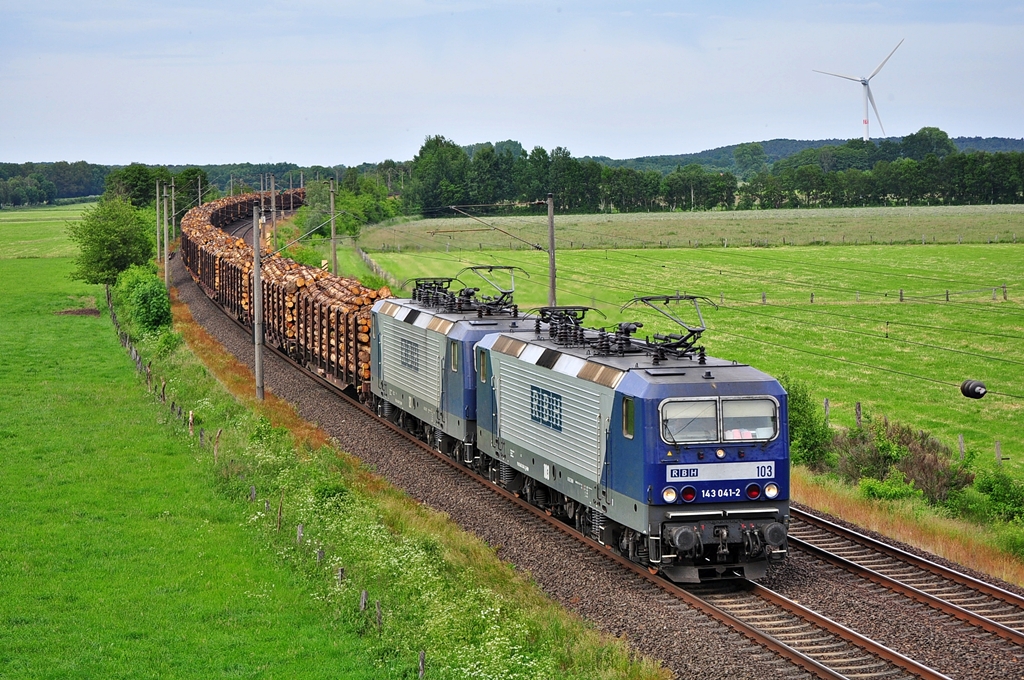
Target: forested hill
<point x="723" y="158"/>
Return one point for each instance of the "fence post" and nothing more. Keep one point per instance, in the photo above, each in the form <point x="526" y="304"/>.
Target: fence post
<point x="298" y="535"/>
<point x="812" y="298"/>
<point x="901" y="295"/>
<point x="1004" y="291"/>
<point x="858" y="414"/>
<point x="961" y="438"/>
<point x="764" y="298"/>
<point x="826" y="410"/>
<point x="999" y="453"/>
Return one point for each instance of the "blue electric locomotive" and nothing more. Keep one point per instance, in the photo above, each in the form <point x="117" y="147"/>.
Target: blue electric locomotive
<point x="676" y="459"/>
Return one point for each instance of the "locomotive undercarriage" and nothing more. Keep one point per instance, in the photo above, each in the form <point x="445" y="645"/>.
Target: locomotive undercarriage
<point x="702" y="550"/>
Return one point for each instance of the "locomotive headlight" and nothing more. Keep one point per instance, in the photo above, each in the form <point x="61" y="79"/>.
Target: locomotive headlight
<point x="720" y="453"/>
<point x="669" y="494"/>
<point x="771" y="490"/>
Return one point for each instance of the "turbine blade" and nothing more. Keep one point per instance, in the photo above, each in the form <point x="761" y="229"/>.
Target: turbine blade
<point x="872" y="100"/>
<point x="837" y="75"/>
<point x="885" y="60"/>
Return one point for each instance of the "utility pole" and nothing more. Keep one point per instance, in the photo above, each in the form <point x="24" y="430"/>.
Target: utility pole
<point x="199" y="183"/>
<point x="290" y="194"/>
<point x="231" y="185"/>
<point x="157" y="205"/>
<point x="167" y="247"/>
<point x="273" y="208"/>
<point x="551" y="250"/>
<point x="174" y="212"/>
<point x="257" y="297"/>
<point x="302" y="179"/>
<point x="334" y="237"/>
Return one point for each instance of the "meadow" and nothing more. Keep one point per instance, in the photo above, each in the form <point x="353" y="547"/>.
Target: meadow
<point x="37" y="231"/>
<point x="850" y="226"/>
<point x="120" y="559"/>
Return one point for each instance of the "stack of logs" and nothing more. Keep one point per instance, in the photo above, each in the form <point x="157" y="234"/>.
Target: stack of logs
<point x="307" y="310"/>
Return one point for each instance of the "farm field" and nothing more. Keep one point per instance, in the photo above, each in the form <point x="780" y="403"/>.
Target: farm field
<point x="856" y="342"/>
<point x="119" y="557"/>
<point x="38" y="231"/>
<point x="937" y="224"/>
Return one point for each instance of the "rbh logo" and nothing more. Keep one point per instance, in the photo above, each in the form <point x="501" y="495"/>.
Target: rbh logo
<point x="410" y="355"/>
<point x="546" y="408"/>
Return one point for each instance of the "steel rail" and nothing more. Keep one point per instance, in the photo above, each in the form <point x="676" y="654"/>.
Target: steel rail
<point x="988" y="624"/>
<point x="751" y="632"/>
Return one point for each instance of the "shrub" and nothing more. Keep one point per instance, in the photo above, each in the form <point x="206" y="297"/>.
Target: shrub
<point x="1011" y="538"/>
<point x="142" y="300"/>
<point x="924" y="461"/>
<point x="149" y="305"/>
<point x="894" y="487"/>
<point x="168" y="342"/>
<point x="810" y="437"/>
<point x="1006" y="494"/>
<point x="970" y="504"/>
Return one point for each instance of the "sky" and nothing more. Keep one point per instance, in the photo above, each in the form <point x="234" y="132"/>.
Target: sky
<point x="332" y="82"/>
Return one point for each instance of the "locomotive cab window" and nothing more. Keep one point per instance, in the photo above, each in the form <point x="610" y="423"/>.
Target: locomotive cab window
<point x="689" y="421"/>
<point x="628" y="417"/>
<point x="749" y="419"/>
<point x="455" y="356"/>
<point x="481" y="369"/>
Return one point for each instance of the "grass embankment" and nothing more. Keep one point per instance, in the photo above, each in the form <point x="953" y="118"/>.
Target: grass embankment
<point x="937" y="224"/>
<point x="120" y="556"/>
<point x="131" y="552"/>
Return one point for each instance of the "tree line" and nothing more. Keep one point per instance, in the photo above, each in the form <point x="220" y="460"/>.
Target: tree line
<point x="33" y="183"/>
<point x="922" y="168"/>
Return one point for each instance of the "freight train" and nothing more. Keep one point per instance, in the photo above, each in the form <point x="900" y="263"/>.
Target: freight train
<point x="670" y="457"/>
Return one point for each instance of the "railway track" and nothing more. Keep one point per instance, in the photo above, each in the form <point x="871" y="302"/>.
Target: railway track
<point x="980" y="604"/>
<point x="808" y="640"/>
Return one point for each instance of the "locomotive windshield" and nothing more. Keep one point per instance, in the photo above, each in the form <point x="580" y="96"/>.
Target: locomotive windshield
<point x="689" y="421"/>
<point x="697" y="420"/>
<point x="749" y="419"/>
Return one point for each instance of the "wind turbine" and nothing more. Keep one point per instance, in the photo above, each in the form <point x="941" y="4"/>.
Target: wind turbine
<point x="867" y="91"/>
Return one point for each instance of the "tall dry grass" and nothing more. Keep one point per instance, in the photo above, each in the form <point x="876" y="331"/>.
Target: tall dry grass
<point x="910" y="523"/>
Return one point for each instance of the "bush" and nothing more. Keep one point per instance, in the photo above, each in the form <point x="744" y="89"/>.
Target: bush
<point x="168" y="342"/>
<point x="1006" y="494"/>
<point x="810" y="437"/>
<point x="150" y="306"/>
<point x="143" y="300"/>
<point x="894" y="487"/>
<point x="1011" y="538"/>
<point x="970" y="504"/>
<point x="927" y="463"/>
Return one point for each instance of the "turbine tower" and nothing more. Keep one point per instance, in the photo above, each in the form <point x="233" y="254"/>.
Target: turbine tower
<point x="867" y="91"/>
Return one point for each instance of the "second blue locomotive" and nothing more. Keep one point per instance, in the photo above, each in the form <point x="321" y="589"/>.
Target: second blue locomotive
<point x="677" y="460"/>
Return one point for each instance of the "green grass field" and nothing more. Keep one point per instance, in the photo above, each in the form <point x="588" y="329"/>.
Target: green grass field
<point x="945" y="224"/>
<point x="119" y="557"/>
<point x="38" y="231"/>
<point x="129" y="552"/>
<point x="855" y="342"/>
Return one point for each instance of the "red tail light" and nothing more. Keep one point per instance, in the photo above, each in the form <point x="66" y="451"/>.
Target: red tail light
<point x="689" y="493"/>
<point x="753" y="491"/>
